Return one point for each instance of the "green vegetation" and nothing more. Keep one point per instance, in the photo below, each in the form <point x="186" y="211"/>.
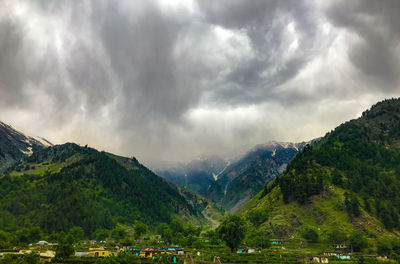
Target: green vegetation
<point x="232" y="231"/>
<point x="31" y="258"/>
<point x="65" y="247"/>
<point x="68" y="186"/>
<point x="178" y="232"/>
<point x="343" y="190"/>
<point x="358" y="242"/>
<point x="341" y="194"/>
<point x="140" y="229"/>
<point x="361" y="156"/>
<point x="310" y="234"/>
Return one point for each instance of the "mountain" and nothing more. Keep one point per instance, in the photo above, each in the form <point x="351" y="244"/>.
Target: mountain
<point x="14" y="145"/>
<point x="245" y="177"/>
<point x="347" y="182"/>
<point x="196" y="175"/>
<point x="68" y="185"/>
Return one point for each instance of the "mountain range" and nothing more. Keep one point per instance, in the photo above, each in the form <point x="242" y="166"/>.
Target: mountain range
<point x="247" y="175"/>
<point x="232" y="182"/>
<point x="345" y="182"/>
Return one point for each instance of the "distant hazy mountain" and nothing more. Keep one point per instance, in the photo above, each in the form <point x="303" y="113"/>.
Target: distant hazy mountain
<point x="196" y="175"/>
<point x="15" y="145"/>
<point x="242" y="179"/>
<point x="232" y="182"/>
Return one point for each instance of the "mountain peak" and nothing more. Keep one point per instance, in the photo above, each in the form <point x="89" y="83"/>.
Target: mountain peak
<point x="15" y="145"/>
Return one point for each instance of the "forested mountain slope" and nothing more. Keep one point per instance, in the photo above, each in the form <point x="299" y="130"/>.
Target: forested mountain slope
<point x="349" y="180"/>
<point x="68" y="185"/>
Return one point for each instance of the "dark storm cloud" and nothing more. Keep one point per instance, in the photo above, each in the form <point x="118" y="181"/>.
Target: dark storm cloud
<point x="12" y="62"/>
<point x="265" y="23"/>
<point x="377" y="24"/>
<point x="173" y="79"/>
<point x="141" y="51"/>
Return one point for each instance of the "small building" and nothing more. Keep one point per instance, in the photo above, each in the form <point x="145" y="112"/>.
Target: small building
<point x="246" y="250"/>
<point x="100" y="252"/>
<point x="320" y="259"/>
<point x="47" y="255"/>
<point x="339" y="246"/>
<point x="45" y="243"/>
<point x="277" y="241"/>
<point x="42" y="243"/>
<point x="251" y="250"/>
<point x="82" y="254"/>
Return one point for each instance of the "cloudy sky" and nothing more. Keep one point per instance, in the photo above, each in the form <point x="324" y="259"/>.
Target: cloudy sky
<point x="176" y="79"/>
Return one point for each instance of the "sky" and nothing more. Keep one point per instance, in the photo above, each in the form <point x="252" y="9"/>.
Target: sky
<point x="172" y="80"/>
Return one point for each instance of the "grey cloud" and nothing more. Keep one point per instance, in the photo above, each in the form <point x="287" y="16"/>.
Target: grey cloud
<point x="264" y="23"/>
<point x="139" y="71"/>
<point x="12" y="62"/>
<point x="377" y="23"/>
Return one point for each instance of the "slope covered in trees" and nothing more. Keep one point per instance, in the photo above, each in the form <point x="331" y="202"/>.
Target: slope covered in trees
<point x="68" y="185"/>
<point x="348" y="182"/>
<point x="361" y="156"/>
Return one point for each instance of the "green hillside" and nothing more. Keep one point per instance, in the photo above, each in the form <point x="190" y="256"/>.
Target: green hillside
<point x="68" y="185"/>
<point x="348" y="182"/>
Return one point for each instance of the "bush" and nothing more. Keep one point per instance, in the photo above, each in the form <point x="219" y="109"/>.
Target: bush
<point x="384" y="247"/>
<point x="257" y="238"/>
<point x="310" y="234"/>
<point x="358" y="242"/>
<point x="336" y="236"/>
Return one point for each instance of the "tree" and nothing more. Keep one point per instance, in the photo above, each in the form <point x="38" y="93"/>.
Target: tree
<point x="100" y="234"/>
<point x="257" y="238"/>
<point x="177" y="226"/>
<point x="165" y="232"/>
<point x="337" y="178"/>
<point x="358" y="242"/>
<point x="140" y="229"/>
<point x="212" y="237"/>
<point x="336" y="236"/>
<point x="31" y="258"/>
<point x="118" y="233"/>
<point x="258" y="217"/>
<point x="384" y="247"/>
<point x="232" y="231"/>
<point x="352" y="205"/>
<point x="77" y="233"/>
<point x="310" y="234"/>
<point x="5" y="239"/>
<point x="29" y="235"/>
<point x="65" y="246"/>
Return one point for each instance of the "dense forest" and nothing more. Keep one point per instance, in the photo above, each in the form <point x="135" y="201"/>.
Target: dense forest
<point x="68" y="185"/>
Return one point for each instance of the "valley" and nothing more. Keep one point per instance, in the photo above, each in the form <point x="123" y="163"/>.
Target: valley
<point x="333" y="199"/>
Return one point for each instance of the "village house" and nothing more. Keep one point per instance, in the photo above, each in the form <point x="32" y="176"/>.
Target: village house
<point x="320" y="259"/>
<point x="100" y="252"/>
<point x="276" y="241"/>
